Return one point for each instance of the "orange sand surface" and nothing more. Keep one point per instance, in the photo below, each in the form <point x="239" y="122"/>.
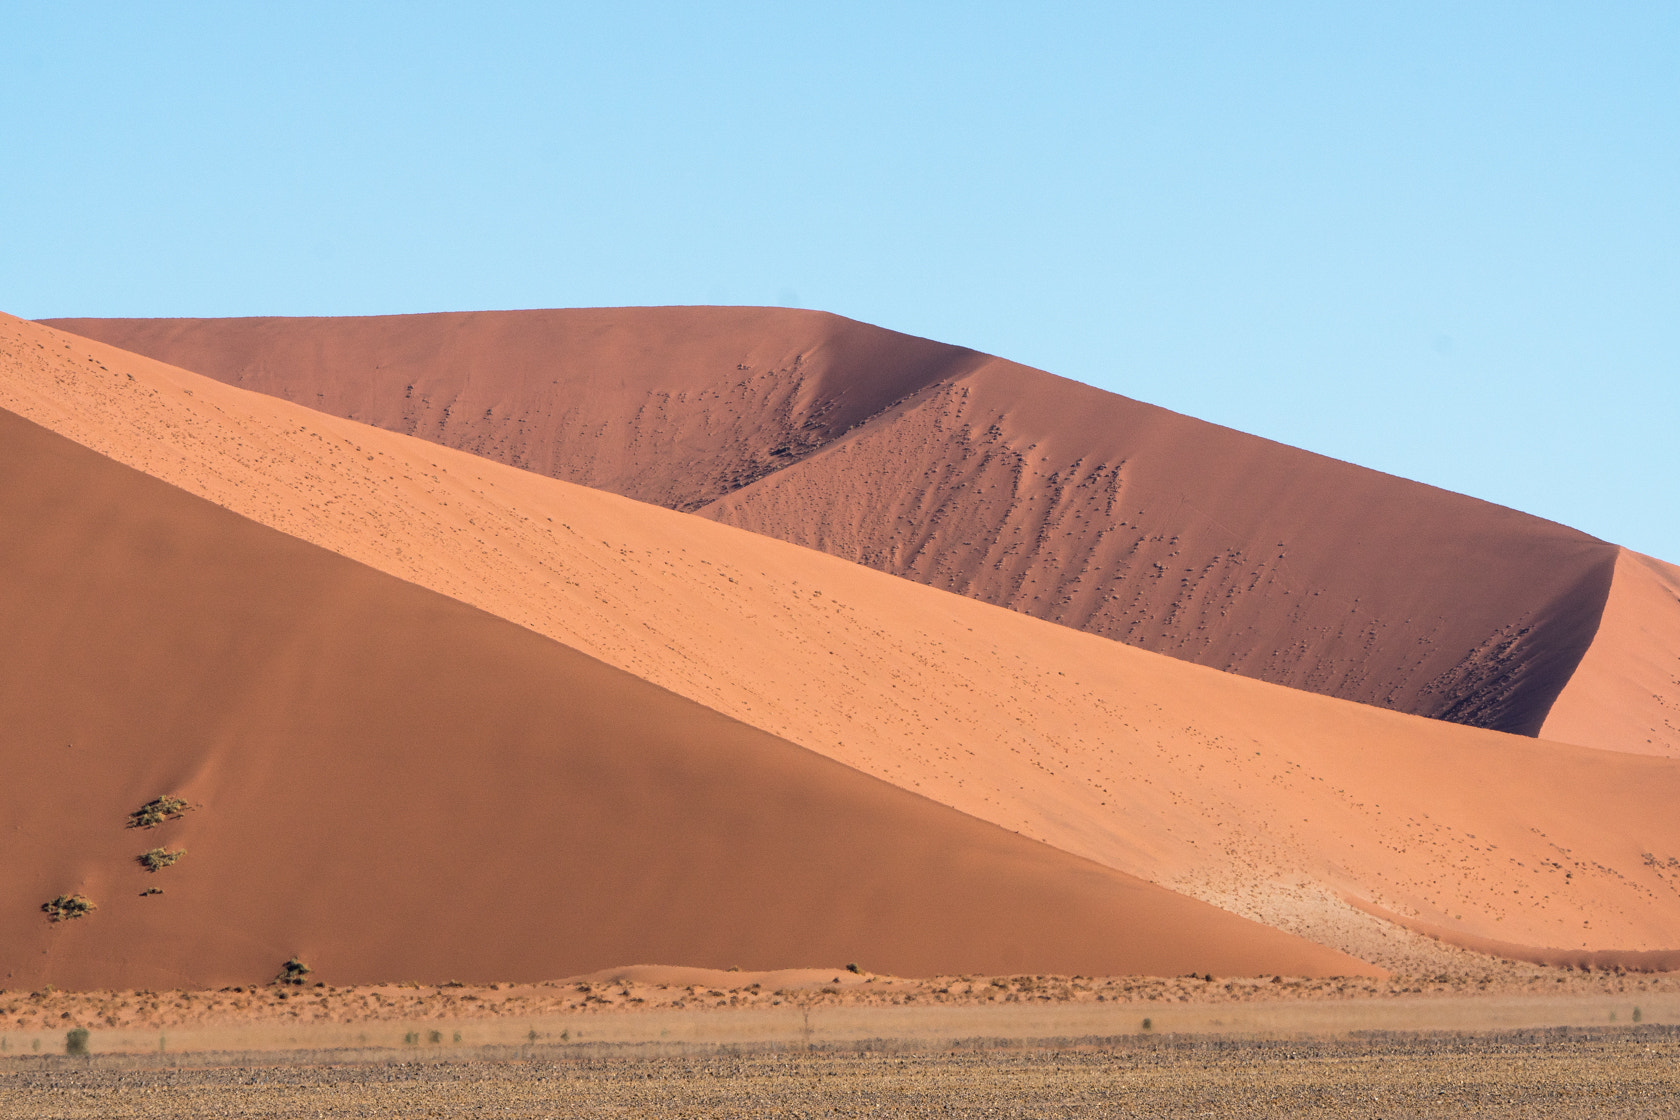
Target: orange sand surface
<point x="390" y="783"/>
<point x="1278" y="804"/>
<point x="984" y="477"/>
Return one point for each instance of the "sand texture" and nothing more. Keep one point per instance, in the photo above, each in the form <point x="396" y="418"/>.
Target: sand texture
<point x="1312" y="814"/>
<point x="983" y="477"/>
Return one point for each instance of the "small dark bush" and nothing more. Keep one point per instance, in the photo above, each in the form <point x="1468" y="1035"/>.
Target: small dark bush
<point x="67" y="907"/>
<point x="293" y="972"/>
<point x="159" y="858"/>
<point x="75" y="1042"/>
<point x="156" y="811"/>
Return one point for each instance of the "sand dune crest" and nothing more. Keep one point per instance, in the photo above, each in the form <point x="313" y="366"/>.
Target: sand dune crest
<point x="1272" y="802"/>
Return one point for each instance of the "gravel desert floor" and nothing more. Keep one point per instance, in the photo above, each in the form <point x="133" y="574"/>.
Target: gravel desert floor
<point x="1509" y="1041"/>
<point x="1627" y="1071"/>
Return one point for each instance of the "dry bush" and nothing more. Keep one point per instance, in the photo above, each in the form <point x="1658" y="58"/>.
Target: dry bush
<point x="157" y="811"/>
<point x="67" y="907"/>
<point x="159" y="858"/>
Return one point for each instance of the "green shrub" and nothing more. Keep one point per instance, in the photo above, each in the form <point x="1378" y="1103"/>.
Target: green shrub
<point x="156" y="811"/>
<point x="159" y="858"/>
<point x="66" y="907"/>
<point x="75" y="1042"/>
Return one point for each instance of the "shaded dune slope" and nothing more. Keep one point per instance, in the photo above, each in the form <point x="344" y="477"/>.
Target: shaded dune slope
<point x="676" y="407"/>
<point x="1307" y="812"/>
<point x="394" y="785"/>
<point x="975" y="475"/>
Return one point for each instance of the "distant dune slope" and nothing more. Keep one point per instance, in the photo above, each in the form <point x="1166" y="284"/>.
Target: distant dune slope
<point x="676" y="407"/>
<point x="975" y="475"/>
<point x="1625" y="694"/>
<point x="1304" y="811"/>
<point x="394" y="785"/>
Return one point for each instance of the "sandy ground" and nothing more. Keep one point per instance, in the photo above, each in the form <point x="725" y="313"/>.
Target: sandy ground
<point x="1310" y="814"/>
<point x="1033" y="1046"/>
<point x="645" y="1004"/>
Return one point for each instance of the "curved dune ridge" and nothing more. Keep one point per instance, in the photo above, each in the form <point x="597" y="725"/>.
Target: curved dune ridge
<point x="1300" y="810"/>
<point x="1625" y="694"/>
<point x="392" y="784"/>
<point x="979" y="476"/>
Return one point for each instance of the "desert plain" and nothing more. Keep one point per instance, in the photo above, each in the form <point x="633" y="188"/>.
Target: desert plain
<point x="753" y="712"/>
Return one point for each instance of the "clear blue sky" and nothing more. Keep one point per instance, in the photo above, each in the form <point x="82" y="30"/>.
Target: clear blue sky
<point x="1442" y="240"/>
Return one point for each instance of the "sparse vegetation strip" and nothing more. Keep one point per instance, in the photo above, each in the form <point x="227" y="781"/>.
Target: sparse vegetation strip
<point x="291" y="999"/>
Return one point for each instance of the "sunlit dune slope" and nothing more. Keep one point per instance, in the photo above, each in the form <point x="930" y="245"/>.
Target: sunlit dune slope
<point x="1625" y="694"/>
<point x="1302" y="810"/>
<point x="978" y="476"/>
<point x="394" y="785"/>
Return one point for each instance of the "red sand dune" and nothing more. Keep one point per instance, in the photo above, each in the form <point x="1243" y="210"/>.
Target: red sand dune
<point x="1302" y="810"/>
<point x="979" y="476"/>
<point x="394" y="785"/>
